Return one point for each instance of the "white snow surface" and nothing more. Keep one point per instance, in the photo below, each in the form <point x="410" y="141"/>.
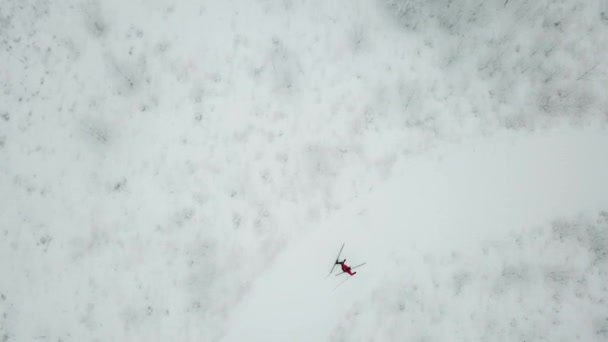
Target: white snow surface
<point x="187" y="170"/>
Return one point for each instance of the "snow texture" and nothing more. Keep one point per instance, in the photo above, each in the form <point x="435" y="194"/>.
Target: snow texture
<point x="186" y="170"/>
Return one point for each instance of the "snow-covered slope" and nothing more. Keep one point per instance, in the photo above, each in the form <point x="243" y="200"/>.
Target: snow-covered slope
<point x="458" y="248"/>
<point x="163" y="164"/>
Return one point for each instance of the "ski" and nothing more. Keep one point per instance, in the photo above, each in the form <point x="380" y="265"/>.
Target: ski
<point x="337" y="258"/>
<point x="352" y="268"/>
<point x="342" y="282"/>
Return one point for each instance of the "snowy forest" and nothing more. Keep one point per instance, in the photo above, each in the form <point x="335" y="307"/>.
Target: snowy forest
<point x="188" y="170"/>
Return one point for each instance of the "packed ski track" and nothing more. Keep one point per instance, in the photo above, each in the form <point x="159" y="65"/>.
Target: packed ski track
<point x="187" y="170"/>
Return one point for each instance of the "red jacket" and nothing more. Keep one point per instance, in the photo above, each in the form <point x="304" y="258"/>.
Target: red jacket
<point x="346" y="269"/>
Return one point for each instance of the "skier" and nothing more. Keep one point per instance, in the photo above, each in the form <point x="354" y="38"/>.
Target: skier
<point x="346" y="268"/>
